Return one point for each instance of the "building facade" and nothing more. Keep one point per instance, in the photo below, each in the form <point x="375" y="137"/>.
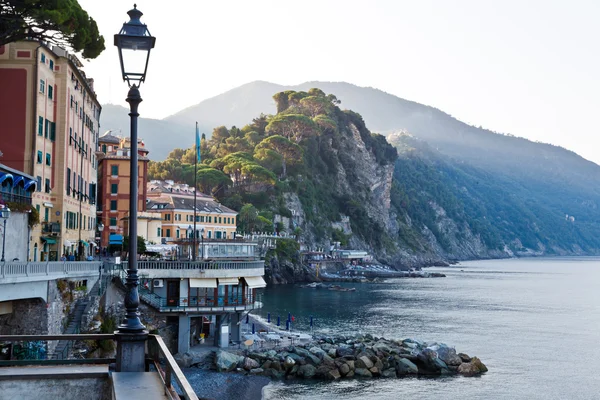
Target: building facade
<point x="50" y="120"/>
<point x="175" y="203"/>
<point x="114" y="163"/>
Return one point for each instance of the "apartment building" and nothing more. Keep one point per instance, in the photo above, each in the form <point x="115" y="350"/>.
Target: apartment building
<point x="50" y="115"/>
<point x="114" y="161"/>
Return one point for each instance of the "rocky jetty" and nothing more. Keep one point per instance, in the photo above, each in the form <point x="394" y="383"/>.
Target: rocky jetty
<point x="333" y="358"/>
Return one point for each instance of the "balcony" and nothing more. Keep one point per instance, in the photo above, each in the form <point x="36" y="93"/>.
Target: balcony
<point x="201" y="269"/>
<point x="201" y="304"/>
<point x="16" y="198"/>
<point x="51" y="228"/>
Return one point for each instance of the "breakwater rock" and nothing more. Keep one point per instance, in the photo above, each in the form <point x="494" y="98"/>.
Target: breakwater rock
<point x="336" y="358"/>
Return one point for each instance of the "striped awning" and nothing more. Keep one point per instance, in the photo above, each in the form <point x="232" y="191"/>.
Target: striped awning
<point x="228" y="281"/>
<point x="19" y="180"/>
<point x="203" y="282"/>
<point x="255" y="282"/>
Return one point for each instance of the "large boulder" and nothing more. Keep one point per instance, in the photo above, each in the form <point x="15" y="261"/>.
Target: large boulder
<point x="388" y="373"/>
<point x="448" y="355"/>
<point x="289" y="362"/>
<point x="306" y="371"/>
<point x="308" y="356"/>
<point x="226" y="361"/>
<point x="428" y="364"/>
<point x="317" y="351"/>
<point x="184" y="360"/>
<point x="344" y="351"/>
<point x="364" y="362"/>
<point x="334" y="374"/>
<point x="344" y="369"/>
<point x="363" y="373"/>
<point x="464" y="357"/>
<point x="256" y="371"/>
<point x="474" y="367"/>
<point x="250" y="364"/>
<point x="405" y="367"/>
<point x="381" y="347"/>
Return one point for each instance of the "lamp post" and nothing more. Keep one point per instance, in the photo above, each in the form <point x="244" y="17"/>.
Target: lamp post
<point x="4" y="214"/>
<point x="202" y="237"/>
<point x="100" y="229"/>
<point x="134" y="43"/>
<point x="189" y="234"/>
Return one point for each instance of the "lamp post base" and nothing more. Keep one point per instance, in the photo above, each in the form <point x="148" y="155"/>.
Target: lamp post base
<point x="131" y="351"/>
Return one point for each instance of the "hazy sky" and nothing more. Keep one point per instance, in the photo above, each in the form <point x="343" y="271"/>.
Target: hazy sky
<point x="529" y="68"/>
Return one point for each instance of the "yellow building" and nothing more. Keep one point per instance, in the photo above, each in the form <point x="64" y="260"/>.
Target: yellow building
<point x="50" y="122"/>
<point x="175" y="202"/>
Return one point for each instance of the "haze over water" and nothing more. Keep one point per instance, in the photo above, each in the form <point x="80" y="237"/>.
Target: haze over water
<point x="534" y="322"/>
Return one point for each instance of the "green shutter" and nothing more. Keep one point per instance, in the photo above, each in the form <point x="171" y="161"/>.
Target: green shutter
<point x="40" y="126"/>
<point x="53" y="131"/>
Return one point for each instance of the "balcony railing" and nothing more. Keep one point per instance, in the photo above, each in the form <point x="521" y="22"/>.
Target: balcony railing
<point x="199" y="265"/>
<point x="11" y="271"/>
<point x="51" y="227"/>
<point x="16" y="198"/>
<point x="192" y="303"/>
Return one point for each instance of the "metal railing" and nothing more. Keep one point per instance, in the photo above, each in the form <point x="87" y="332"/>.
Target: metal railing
<point x="158" y="356"/>
<point x="185" y="303"/>
<point x="16" y="198"/>
<point x="199" y="265"/>
<point x="51" y="269"/>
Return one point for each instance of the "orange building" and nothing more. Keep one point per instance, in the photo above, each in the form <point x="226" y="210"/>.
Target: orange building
<point x="113" y="184"/>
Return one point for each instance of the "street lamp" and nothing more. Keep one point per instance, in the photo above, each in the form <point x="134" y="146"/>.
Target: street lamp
<point x="100" y="229"/>
<point x="202" y="236"/>
<point x="134" y="43"/>
<point x="4" y="214"/>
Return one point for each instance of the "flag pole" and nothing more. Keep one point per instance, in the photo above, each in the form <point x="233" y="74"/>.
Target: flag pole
<point x="195" y="190"/>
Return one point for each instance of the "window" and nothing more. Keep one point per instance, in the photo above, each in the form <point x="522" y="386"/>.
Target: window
<point x="158" y="232"/>
<point x="219" y="219"/>
<point x="42" y="86"/>
<point x="113" y="205"/>
<point x="53" y="131"/>
<point x="50" y="91"/>
<point x="48" y="188"/>
<point x="113" y="221"/>
<point x="40" y="126"/>
<point x="104" y="148"/>
<point x="52" y="65"/>
<point x="210" y="219"/>
<point x="72" y="101"/>
<point x="40" y="156"/>
<point x="43" y="60"/>
<point x="202" y="218"/>
<point x="68" y="181"/>
<point x="167" y="217"/>
<point x="114" y="170"/>
<point x="177" y="233"/>
<point x="168" y="233"/>
<point x="39" y="184"/>
<point x="48" y="159"/>
<point x="114" y="188"/>
<point x="46" y="129"/>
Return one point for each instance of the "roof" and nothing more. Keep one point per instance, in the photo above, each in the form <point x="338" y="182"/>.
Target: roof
<point x="108" y="138"/>
<point x="203" y="205"/>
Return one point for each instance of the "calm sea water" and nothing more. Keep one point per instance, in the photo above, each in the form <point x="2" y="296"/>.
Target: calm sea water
<point x="534" y="322"/>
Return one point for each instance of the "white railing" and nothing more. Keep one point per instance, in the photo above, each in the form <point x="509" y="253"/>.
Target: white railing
<point x="199" y="265"/>
<point x="51" y="269"/>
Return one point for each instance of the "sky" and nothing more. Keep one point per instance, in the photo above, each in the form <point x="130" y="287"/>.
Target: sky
<point x="528" y="68"/>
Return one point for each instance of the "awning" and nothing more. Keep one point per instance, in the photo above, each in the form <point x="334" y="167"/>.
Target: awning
<point x="49" y="205"/>
<point x="30" y="184"/>
<point x="228" y="281"/>
<point x="254" y="282"/>
<point x="86" y="244"/>
<point x="19" y="180"/>
<point x="4" y="176"/>
<point x="48" y="240"/>
<point x="115" y="239"/>
<point x="203" y="282"/>
<point x="93" y="243"/>
<point x="67" y="243"/>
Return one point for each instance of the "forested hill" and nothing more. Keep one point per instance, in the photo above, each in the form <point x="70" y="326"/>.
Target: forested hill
<point x="315" y="170"/>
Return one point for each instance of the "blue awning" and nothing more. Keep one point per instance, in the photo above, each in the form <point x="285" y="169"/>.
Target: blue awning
<point x="115" y="239"/>
<point x="30" y="184"/>
<point x="19" y="180"/>
<point x="4" y="176"/>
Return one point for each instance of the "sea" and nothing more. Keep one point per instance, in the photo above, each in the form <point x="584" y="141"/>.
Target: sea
<point x="534" y="322"/>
